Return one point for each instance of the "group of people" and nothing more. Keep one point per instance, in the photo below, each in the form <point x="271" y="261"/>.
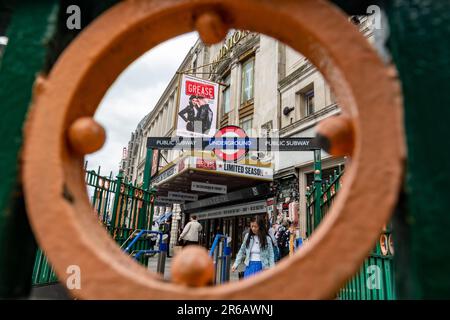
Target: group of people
<point x="261" y="248"/>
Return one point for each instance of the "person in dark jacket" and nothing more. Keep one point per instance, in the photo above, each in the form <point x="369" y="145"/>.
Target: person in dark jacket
<point x="188" y="114"/>
<point x="282" y="237"/>
<point x="166" y="227"/>
<point x="204" y="114"/>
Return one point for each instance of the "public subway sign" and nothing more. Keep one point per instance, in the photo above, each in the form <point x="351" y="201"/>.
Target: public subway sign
<point x="208" y="187"/>
<point x="233" y="144"/>
<point x="236" y="210"/>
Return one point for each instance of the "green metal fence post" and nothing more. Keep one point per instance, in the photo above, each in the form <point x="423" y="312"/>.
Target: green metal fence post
<point x="148" y="169"/>
<point x="318" y="187"/>
<point x="146" y="186"/>
<point x="30" y="26"/>
<point x="152" y="206"/>
<point x="116" y="202"/>
<point x="422" y="222"/>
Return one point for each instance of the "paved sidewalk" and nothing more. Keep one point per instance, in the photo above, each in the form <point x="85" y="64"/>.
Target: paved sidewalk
<point x="153" y="263"/>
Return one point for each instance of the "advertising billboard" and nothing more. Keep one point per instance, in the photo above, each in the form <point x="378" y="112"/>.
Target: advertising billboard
<point x="197" y="107"/>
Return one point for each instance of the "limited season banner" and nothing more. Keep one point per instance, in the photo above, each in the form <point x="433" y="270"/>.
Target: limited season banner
<point x="197" y="107"/>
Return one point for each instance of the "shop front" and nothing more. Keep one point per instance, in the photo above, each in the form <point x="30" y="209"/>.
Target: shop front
<point x="230" y="220"/>
<point x="223" y="195"/>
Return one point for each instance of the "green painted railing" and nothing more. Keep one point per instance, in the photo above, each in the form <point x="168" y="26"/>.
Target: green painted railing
<point x="43" y="273"/>
<point x="375" y="279"/>
<point x="121" y="208"/>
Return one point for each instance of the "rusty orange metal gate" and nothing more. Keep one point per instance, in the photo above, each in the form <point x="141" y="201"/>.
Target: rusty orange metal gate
<point x="60" y="122"/>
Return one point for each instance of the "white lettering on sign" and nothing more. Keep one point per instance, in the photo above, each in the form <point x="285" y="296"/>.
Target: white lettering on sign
<point x="208" y="187"/>
<point x="245" y="170"/>
<point x="182" y="196"/>
<point x="165" y="175"/>
<point x="168" y="200"/>
<point x="242" y="209"/>
<point x="200" y="89"/>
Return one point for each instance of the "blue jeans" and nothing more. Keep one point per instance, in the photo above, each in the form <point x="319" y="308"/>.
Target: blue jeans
<point x="252" y="268"/>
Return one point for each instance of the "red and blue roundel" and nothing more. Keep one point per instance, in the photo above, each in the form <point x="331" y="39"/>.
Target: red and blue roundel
<point x="232" y="152"/>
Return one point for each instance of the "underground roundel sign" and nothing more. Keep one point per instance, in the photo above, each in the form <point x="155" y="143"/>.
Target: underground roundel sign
<point x="230" y="151"/>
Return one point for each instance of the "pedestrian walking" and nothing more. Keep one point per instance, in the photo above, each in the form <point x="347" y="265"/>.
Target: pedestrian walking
<point x="282" y="237"/>
<point x="167" y="228"/>
<point x="276" y="250"/>
<point x="190" y="234"/>
<point x="256" y="250"/>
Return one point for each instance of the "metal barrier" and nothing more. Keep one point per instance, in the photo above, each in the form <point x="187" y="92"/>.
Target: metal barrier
<point x="125" y="210"/>
<point x="161" y="251"/>
<point x="221" y="253"/>
<point x="43" y="273"/>
<point x="67" y="81"/>
<point x="375" y="279"/>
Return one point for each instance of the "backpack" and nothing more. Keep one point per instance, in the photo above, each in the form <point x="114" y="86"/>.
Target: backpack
<point x="283" y="238"/>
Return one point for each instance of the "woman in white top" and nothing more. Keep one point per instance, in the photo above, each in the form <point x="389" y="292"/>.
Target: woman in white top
<point x="256" y="248"/>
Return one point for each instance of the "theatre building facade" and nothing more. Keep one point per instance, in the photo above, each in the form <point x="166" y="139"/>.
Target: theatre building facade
<point x="267" y="89"/>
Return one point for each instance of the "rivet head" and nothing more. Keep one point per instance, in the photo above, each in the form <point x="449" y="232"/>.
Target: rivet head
<point x="192" y="267"/>
<point x="211" y="27"/>
<point x="339" y="132"/>
<point x="86" y="135"/>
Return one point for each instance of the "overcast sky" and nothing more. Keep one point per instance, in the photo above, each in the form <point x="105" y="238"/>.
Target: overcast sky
<point x="133" y="95"/>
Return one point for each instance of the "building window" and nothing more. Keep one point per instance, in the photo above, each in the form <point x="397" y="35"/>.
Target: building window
<point x="247" y="80"/>
<point x="142" y="151"/>
<point x="309" y="103"/>
<point x="194" y="64"/>
<point x="226" y="96"/>
<point x="305" y="101"/>
<point x="246" y="124"/>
